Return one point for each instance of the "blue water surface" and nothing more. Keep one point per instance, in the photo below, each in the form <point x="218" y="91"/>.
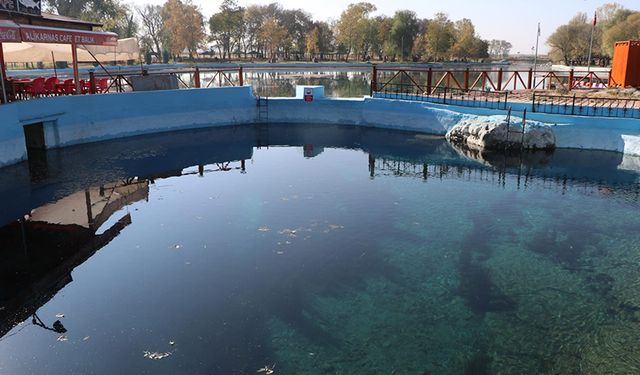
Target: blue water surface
<point x="318" y="250"/>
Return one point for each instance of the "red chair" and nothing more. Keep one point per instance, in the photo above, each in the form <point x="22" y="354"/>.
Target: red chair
<point x="50" y="86"/>
<point x="85" y="86"/>
<point x="36" y="88"/>
<point x="67" y="88"/>
<point x="102" y="86"/>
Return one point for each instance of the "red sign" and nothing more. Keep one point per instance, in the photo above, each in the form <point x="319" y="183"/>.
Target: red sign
<point x="36" y="34"/>
<point x="9" y="32"/>
<point x="308" y="95"/>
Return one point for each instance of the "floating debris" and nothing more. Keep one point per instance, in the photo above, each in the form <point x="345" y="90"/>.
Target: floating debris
<point x="62" y="338"/>
<point x="264" y="229"/>
<point x="177" y="247"/>
<point x="59" y="316"/>
<point x="156" y="356"/>
<point x="86" y="338"/>
<point x="334" y="226"/>
<point x="289" y="232"/>
<point x="280" y="252"/>
<point x="172" y="343"/>
<point x="267" y="369"/>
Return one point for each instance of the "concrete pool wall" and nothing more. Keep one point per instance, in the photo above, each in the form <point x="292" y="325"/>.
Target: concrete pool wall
<point x="82" y="119"/>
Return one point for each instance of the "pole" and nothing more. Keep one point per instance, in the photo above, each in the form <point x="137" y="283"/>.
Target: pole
<point x="3" y="75"/>
<point x="535" y="59"/>
<point x="55" y="70"/>
<point x="593" y="28"/>
<point x="76" y="74"/>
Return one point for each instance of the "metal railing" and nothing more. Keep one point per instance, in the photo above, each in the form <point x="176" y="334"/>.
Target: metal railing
<point x="586" y="106"/>
<point x="444" y="95"/>
<point x="492" y="79"/>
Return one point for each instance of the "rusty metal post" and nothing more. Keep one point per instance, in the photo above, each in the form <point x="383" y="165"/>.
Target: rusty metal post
<point x="500" y="79"/>
<point x="241" y="76"/>
<point x="429" y="80"/>
<point x="466" y="79"/>
<point x="92" y="82"/>
<point x="196" y="78"/>
<point x="374" y="80"/>
<point x="610" y="80"/>
<point x="571" y="73"/>
<point x="76" y="74"/>
<point x="530" y="79"/>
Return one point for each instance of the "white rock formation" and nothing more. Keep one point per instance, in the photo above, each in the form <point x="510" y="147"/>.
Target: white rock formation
<point x="490" y="132"/>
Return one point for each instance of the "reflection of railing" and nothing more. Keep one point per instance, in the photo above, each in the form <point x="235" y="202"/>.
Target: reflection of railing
<point x="517" y="176"/>
<point x="586" y="106"/>
<point x="444" y="95"/>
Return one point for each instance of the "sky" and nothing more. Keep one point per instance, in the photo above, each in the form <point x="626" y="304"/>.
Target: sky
<point x="515" y="21"/>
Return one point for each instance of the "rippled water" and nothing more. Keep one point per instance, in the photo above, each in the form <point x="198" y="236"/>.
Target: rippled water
<point x="335" y="250"/>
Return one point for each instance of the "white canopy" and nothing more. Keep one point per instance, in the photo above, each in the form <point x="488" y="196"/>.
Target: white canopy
<point x="40" y="52"/>
<point x="127" y="49"/>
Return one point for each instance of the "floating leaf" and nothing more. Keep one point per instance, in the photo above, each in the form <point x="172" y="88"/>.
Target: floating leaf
<point x="267" y="369"/>
<point x="156" y="356"/>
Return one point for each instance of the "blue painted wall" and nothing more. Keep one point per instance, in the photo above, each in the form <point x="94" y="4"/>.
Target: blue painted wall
<point x="81" y="119"/>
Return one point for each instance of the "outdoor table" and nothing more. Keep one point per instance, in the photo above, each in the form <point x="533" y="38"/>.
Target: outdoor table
<point x="18" y="86"/>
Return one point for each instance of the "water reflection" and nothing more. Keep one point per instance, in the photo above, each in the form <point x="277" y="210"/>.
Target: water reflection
<point x="333" y="243"/>
<point x="339" y="84"/>
<point x="40" y="250"/>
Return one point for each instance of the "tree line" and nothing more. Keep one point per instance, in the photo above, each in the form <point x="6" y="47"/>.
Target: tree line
<point x="570" y="42"/>
<point x="272" y="32"/>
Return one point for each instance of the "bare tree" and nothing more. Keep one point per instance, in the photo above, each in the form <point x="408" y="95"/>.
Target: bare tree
<point x="151" y="20"/>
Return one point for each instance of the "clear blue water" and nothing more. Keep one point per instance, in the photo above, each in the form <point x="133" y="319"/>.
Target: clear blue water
<point x="335" y="250"/>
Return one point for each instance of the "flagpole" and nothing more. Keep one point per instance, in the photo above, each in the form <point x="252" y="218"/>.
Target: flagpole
<point x="535" y="58"/>
<point x="593" y="28"/>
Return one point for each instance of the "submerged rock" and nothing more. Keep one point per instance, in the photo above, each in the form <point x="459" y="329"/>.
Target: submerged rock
<point x="493" y="132"/>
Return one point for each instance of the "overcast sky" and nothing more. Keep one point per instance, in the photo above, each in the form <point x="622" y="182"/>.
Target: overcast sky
<point x="515" y="20"/>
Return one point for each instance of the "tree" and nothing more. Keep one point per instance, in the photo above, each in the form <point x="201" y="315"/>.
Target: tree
<point x="151" y="22"/>
<point x="183" y="24"/>
<point x="570" y="42"/>
<point x="381" y="27"/>
<point x="313" y="42"/>
<point x="227" y="27"/>
<point x="298" y="24"/>
<point x="499" y="49"/>
<point x="353" y="28"/>
<point x="440" y="36"/>
<point x="467" y="45"/>
<point x="273" y="36"/>
<point x="114" y="15"/>
<point x="628" y="29"/>
<point x="404" y="30"/>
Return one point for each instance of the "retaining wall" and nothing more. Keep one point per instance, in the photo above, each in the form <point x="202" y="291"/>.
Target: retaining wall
<point x="81" y="119"/>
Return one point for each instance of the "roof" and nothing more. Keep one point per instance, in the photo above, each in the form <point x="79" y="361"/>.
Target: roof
<point x="59" y="18"/>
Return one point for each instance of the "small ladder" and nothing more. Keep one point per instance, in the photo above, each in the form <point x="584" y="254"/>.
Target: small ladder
<point x="262" y="103"/>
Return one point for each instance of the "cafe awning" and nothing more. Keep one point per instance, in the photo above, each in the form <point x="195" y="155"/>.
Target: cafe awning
<point x="11" y="32"/>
